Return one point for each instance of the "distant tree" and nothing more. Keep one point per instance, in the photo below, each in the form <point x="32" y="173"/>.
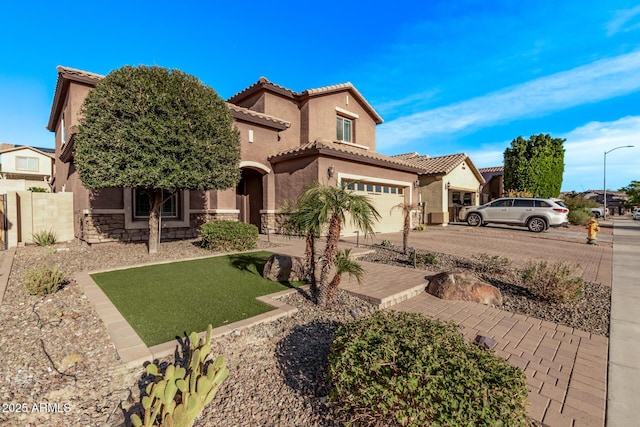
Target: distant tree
<point x="534" y="165"/>
<point x="633" y="191"/>
<point x="157" y="131"/>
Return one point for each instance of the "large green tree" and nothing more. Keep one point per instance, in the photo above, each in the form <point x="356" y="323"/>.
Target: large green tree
<point x="534" y="165"/>
<point x="157" y="131"/>
<point x="633" y="191"/>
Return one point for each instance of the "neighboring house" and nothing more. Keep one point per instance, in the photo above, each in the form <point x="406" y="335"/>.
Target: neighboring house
<point x="24" y="167"/>
<point x="445" y="184"/>
<point x="493" y="188"/>
<point x="288" y="140"/>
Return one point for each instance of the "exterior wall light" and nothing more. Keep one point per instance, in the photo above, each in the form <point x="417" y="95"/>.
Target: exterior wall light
<point x="331" y="171"/>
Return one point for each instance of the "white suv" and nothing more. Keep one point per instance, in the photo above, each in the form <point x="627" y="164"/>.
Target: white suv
<point x="636" y="213"/>
<point x="534" y="213"/>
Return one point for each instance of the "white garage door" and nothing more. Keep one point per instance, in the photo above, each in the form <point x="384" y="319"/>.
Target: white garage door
<point x="384" y="198"/>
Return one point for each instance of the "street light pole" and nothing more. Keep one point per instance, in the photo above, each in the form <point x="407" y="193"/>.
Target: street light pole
<point x="605" y="175"/>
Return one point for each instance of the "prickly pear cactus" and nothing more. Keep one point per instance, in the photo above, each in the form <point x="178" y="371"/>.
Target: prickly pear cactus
<point x="178" y="396"/>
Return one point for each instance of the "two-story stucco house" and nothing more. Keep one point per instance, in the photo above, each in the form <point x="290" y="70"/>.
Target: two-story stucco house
<point x="25" y="167"/>
<point x="288" y="139"/>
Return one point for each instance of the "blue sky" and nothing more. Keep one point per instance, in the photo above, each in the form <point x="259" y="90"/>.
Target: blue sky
<point x="446" y="76"/>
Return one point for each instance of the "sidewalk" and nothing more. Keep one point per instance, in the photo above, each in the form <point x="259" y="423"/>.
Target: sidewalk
<point x="624" y="348"/>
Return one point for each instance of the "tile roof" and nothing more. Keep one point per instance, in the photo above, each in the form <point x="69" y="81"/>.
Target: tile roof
<point x="492" y="169"/>
<point x="341" y="150"/>
<point x="73" y="72"/>
<point x="264" y="83"/>
<point x="437" y="165"/>
<point x="241" y="113"/>
<point x="407" y="156"/>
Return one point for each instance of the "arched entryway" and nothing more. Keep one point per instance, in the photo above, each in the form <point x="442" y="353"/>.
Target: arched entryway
<point x="249" y="196"/>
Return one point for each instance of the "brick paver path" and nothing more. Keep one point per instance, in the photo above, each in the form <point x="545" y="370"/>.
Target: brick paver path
<point x="566" y="368"/>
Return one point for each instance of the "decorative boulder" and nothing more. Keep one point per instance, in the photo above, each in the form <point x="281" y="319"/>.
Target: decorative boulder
<point x="463" y="287"/>
<point x="284" y="268"/>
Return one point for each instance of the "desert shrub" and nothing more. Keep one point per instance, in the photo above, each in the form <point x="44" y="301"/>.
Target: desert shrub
<point x="419" y="227"/>
<point x="228" y="235"/>
<point x="37" y="190"/>
<point x="575" y="201"/>
<point x="43" y="280"/>
<point x="403" y="369"/>
<point x="426" y="258"/>
<point x="44" y="238"/>
<point x="491" y="264"/>
<point x="552" y="282"/>
<point x="386" y="243"/>
<point x="579" y="216"/>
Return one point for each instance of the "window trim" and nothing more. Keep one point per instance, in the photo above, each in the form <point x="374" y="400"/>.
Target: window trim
<point x="27" y="158"/>
<point x="341" y="120"/>
<point x="175" y="214"/>
<point x="131" y="223"/>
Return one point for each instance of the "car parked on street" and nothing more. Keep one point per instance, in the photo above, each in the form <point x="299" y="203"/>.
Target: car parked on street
<point x="534" y="213"/>
<point x="636" y="213"/>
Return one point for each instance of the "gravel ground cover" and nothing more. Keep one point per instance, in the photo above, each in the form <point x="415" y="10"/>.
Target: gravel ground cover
<point x="590" y="313"/>
<point x="58" y="366"/>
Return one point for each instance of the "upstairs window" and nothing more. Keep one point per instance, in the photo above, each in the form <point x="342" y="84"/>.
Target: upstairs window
<point x="142" y="207"/>
<point x="343" y="128"/>
<point x="27" y="164"/>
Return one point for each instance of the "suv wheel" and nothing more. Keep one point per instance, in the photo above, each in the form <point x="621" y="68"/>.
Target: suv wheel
<point x="537" y="225"/>
<point x="474" y="219"/>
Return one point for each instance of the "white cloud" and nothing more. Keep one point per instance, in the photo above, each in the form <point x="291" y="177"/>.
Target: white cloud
<point x="600" y="80"/>
<point x="584" y="155"/>
<point x="622" y="17"/>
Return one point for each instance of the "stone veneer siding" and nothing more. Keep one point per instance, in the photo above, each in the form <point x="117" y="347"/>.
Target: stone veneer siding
<point x="272" y="221"/>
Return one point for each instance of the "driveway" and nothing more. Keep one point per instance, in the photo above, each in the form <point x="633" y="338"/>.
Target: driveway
<point x="515" y="243"/>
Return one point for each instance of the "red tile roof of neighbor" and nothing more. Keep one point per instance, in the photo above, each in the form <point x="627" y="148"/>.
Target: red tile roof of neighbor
<point x="492" y="169"/>
<point x="246" y="114"/>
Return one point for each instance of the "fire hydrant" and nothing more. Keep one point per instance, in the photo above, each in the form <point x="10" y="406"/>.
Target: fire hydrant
<point x="592" y="230"/>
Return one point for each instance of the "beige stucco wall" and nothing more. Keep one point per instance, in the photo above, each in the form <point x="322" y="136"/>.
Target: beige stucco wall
<point x="29" y="213"/>
<point x="320" y="114"/>
<point x="7" y="185"/>
<point x="9" y="162"/>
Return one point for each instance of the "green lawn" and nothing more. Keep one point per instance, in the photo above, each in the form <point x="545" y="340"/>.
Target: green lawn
<point x="165" y="301"/>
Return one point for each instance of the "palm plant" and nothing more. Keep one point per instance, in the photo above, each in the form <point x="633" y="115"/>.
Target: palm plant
<point x="330" y="206"/>
<point x="407" y="208"/>
<point x="303" y="220"/>
<point x="344" y="264"/>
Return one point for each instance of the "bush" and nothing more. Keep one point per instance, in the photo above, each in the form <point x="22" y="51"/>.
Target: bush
<point x="552" y="282"/>
<point x="37" y="190"/>
<point x="580" y="216"/>
<point x="386" y="243"/>
<point x="44" y="238"/>
<point x="228" y="235"/>
<point x="43" y="280"/>
<point x="397" y="368"/>
<point x="426" y="258"/>
<point x="420" y="227"/>
<point x="491" y="264"/>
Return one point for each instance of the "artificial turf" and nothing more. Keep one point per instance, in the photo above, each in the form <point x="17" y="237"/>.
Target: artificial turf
<point x="165" y="301"/>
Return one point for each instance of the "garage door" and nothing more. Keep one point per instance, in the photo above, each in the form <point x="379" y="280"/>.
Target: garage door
<point x="384" y="198"/>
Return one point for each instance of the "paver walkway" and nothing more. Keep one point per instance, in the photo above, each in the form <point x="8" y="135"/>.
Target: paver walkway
<point x="566" y="368"/>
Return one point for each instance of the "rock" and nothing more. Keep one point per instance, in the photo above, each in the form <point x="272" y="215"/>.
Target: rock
<point x="463" y="287"/>
<point x="284" y="268"/>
